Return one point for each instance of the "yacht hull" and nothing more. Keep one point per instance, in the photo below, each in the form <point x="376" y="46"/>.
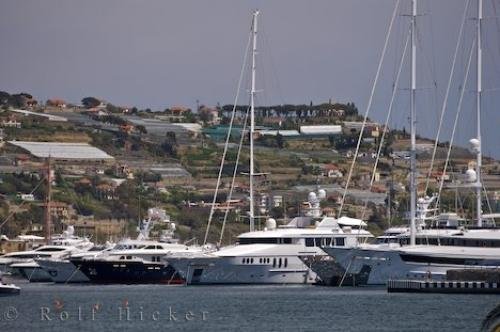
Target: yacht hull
<point x="62" y="271"/>
<point x="331" y="273"/>
<point x="113" y="272"/>
<point x="230" y="270"/>
<point x="34" y="274"/>
<point x="6" y="290"/>
<point x="383" y="265"/>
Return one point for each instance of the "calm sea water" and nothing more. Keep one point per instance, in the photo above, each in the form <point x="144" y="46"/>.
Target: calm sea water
<point x="48" y="307"/>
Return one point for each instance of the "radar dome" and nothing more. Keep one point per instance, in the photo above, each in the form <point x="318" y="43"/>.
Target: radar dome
<point x="271" y="224"/>
<point x="322" y="194"/>
<point x="311" y="197"/>
<point x="70" y="231"/>
<point x="470" y="175"/>
<point x="475" y="145"/>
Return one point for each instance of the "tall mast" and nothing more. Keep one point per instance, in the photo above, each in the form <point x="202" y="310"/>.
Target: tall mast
<point x="413" y="161"/>
<point x="478" y="108"/>
<point x="48" y="222"/>
<point x="252" y="118"/>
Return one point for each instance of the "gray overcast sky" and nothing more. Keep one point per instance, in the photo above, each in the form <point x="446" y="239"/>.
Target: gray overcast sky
<point x="162" y="53"/>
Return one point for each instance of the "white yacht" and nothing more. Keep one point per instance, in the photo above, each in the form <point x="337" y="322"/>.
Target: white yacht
<point x="376" y="264"/>
<point x="270" y="256"/>
<point x="23" y="262"/>
<point x="61" y="270"/>
<point x="61" y="246"/>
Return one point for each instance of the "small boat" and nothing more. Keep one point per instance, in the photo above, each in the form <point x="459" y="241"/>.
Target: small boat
<point x="9" y="289"/>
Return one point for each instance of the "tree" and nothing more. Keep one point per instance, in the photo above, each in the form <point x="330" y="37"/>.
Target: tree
<point x="4" y="98"/>
<point x="90" y="102"/>
<point x="112" y="108"/>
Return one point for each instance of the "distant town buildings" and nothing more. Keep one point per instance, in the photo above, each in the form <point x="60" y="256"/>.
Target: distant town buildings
<point x="56" y="103"/>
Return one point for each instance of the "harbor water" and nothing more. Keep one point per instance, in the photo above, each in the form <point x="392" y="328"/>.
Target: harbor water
<point x="49" y="307"/>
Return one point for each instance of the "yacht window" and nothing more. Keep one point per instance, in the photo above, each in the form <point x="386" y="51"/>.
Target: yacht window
<point x="340" y="241"/>
<point x="309" y="242"/>
<point x="243" y="261"/>
<point x="251" y="260"/>
<point x="122" y="257"/>
<point x="25" y="256"/>
<point x="287" y="240"/>
<point x="318" y="241"/>
<point x="286" y="262"/>
<point x="264" y="240"/>
<point x="51" y="249"/>
<point x="260" y="260"/>
<point x="274" y="262"/>
<point x="279" y="264"/>
<point x="150" y="247"/>
<point x="328" y="242"/>
<point x="129" y="257"/>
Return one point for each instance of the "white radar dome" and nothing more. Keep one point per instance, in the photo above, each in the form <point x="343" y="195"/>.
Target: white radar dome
<point x="311" y="197"/>
<point x="475" y="145"/>
<point x="271" y="224"/>
<point x="470" y="175"/>
<point x="322" y="194"/>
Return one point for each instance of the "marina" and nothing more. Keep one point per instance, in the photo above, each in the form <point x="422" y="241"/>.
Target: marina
<point x="259" y="210"/>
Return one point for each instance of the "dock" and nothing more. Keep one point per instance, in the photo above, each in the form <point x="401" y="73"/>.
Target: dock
<point x="449" y="286"/>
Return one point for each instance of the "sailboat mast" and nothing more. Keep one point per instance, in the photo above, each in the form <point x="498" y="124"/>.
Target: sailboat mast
<point x="478" y="109"/>
<point x="413" y="161"/>
<point x="48" y="221"/>
<point x="252" y="119"/>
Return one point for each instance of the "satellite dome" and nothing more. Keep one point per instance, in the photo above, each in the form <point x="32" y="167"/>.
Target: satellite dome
<point x="311" y="197"/>
<point x="475" y="145"/>
<point x="322" y="194"/>
<point x="271" y="224"/>
<point x="70" y="231"/>
<point x="470" y="175"/>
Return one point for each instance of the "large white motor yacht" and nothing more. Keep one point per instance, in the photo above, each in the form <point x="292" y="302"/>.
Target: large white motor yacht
<point x="270" y="256"/>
